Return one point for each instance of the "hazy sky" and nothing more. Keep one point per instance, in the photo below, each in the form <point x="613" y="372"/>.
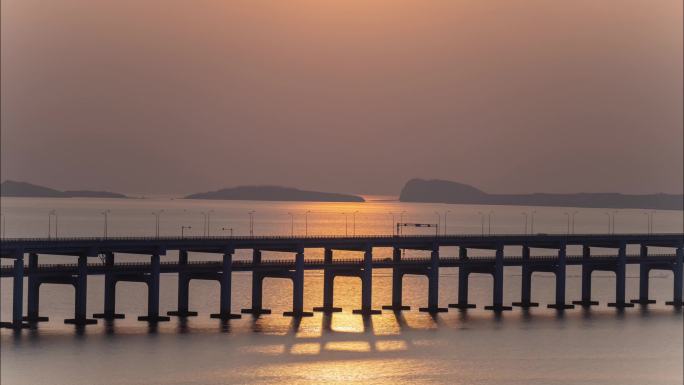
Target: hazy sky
<point x="343" y="95"/>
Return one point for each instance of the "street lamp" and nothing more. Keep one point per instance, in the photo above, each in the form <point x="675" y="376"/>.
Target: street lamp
<point x="445" y="221"/>
<point x="439" y="220"/>
<point x="105" y="213"/>
<point x="354" y="222"/>
<point x="251" y="222"/>
<point x="532" y="221"/>
<point x="393" y="222"/>
<point x="306" y="223"/>
<point x="207" y="221"/>
<point x="183" y="230"/>
<point x="291" y="224"/>
<point x="346" y="222"/>
<point x="156" y="222"/>
<point x="489" y="222"/>
<point x="401" y="220"/>
<point x="229" y="228"/>
<point x="525" y="216"/>
<point x="573" y="221"/>
<point x="568" y="215"/>
<point x="50" y="214"/>
<point x="482" y="220"/>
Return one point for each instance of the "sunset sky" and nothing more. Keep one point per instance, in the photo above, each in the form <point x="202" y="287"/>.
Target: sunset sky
<point x="351" y="96"/>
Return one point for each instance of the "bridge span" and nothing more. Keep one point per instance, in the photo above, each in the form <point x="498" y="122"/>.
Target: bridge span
<point x="87" y="252"/>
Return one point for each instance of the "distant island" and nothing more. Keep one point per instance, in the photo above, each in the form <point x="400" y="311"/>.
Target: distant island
<point x="10" y="188"/>
<point x="274" y="193"/>
<point x="442" y="191"/>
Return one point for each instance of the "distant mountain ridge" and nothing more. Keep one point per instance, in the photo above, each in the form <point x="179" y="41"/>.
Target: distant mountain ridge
<point x="442" y="191"/>
<point x="274" y="193"/>
<point x="11" y="188"/>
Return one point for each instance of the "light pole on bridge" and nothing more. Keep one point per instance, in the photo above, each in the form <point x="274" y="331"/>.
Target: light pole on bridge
<point x="157" y="214"/>
<point x="105" y="214"/>
<point x="251" y="222"/>
<point x="291" y="224"/>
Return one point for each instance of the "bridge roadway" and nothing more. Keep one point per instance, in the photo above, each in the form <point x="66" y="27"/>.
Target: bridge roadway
<point x="316" y="264"/>
<point x="293" y="269"/>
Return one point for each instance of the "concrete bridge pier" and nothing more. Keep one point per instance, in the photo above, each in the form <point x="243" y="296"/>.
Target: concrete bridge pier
<point x="33" y="291"/>
<point x="620" y="280"/>
<point x="257" y="286"/>
<point x="526" y="283"/>
<point x="17" y="296"/>
<point x="225" y="279"/>
<point x="153" y="293"/>
<point x="463" y="273"/>
<point x="81" y="285"/>
<point x="497" y="300"/>
<point x="433" y="284"/>
<point x="183" y="288"/>
<point x="397" y="283"/>
<point x="328" y="285"/>
<point x="367" y="286"/>
<point x="677" y="268"/>
<point x="644" y="271"/>
<point x="587" y="270"/>
<point x="298" y="289"/>
<point x="560" y="282"/>
<point x="109" y="292"/>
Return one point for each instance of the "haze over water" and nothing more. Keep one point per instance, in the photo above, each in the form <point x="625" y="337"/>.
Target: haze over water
<point x="602" y="345"/>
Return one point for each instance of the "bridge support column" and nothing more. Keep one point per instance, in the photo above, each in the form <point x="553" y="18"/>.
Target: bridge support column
<point x="587" y="270"/>
<point x="677" y="268"/>
<point x="463" y="273"/>
<point x="109" y="292"/>
<point x="33" y="291"/>
<point x="17" y="297"/>
<point x="497" y="294"/>
<point x="526" y="283"/>
<point x="328" y="285"/>
<point x="153" y="293"/>
<point x="433" y="285"/>
<point x="367" y="285"/>
<point x="644" y="271"/>
<point x="298" y="289"/>
<point x="257" y="285"/>
<point x="397" y="283"/>
<point x="183" y="288"/>
<point x="81" y="286"/>
<point x="620" y="280"/>
<point x="226" y="281"/>
<point x="560" y="282"/>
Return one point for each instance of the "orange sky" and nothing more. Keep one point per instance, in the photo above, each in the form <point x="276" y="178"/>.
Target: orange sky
<point x="353" y="96"/>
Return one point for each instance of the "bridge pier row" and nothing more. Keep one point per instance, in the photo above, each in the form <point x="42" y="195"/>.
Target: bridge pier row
<point x="397" y="283"/>
<point x="463" y="273"/>
<point x="153" y="293"/>
<point x="33" y="292"/>
<point x="298" y="289"/>
<point x="17" y="296"/>
<point x="433" y="285"/>
<point x="81" y="285"/>
<point x="367" y="285"/>
<point x="587" y="270"/>
<point x="225" y="279"/>
<point x="183" y="288"/>
<point x="109" y="292"/>
<point x="560" y="282"/>
<point x="328" y="285"/>
<point x="497" y="294"/>
<point x="644" y="271"/>
<point x="526" y="282"/>
<point x="620" y="280"/>
<point x="257" y="286"/>
<point x="677" y="269"/>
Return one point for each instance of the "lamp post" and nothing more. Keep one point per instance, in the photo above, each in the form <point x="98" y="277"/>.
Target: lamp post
<point x="401" y="220"/>
<point x="50" y="214"/>
<point x="572" y="226"/>
<point x="354" y="223"/>
<point x="4" y="224"/>
<point x="306" y="223"/>
<point x="346" y="232"/>
<point x="525" y="216"/>
<point x="105" y="214"/>
<point x="157" y="214"/>
<point x="291" y="224"/>
<point x="183" y="230"/>
<point x="445" y="221"/>
<point x="489" y="222"/>
<point x="482" y="220"/>
<point x="609" y="222"/>
<point x="393" y="232"/>
<point x="532" y="221"/>
<point x="251" y="222"/>
<point x="568" y="215"/>
<point x="207" y="221"/>
<point x="439" y="220"/>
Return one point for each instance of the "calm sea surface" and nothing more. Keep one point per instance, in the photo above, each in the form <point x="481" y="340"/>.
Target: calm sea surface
<point x="600" y="346"/>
